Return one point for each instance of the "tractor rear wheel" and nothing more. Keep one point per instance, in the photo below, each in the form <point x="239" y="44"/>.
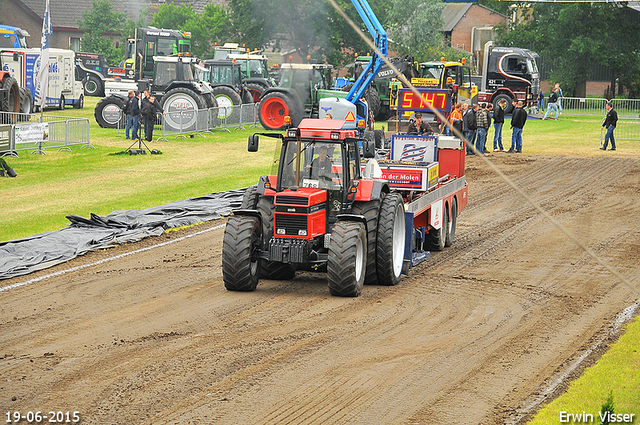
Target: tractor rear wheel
<point x="391" y="240"/>
<point x="274" y="107"/>
<point x="228" y="102"/>
<point x="11" y="103"/>
<point x="26" y="103"/>
<point x="371" y="211"/>
<point x="240" y="264"/>
<point x="347" y="262"/>
<point x="256" y="91"/>
<point x="436" y="238"/>
<point x="373" y="99"/>
<point x="271" y="269"/>
<point x="250" y="198"/>
<point x="109" y="112"/>
<point x="182" y="105"/>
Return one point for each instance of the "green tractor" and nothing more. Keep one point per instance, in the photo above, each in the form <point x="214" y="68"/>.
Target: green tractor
<point x="298" y="94"/>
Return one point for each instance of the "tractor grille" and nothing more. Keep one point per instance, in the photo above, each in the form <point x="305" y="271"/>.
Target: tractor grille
<point x="292" y="224"/>
<point x="291" y="200"/>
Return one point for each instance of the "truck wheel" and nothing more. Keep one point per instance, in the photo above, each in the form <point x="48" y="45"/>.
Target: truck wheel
<point x="371" y="211"/>
<point x="271" y="269"/>
<point x="508" y="107"/>
<point x="109" y="112"/>
<point x="256" y="91"/>
<point x="274" y="107"/>
<point x="250" y="198"/>
<point x="347" y="263"/>
<point x="391" y="240"/>
<point x="181" y="105"/>
<point x="80" y="103"/>
<point x="436" y="238"/>
<point x="453" y="219"/>
<point x="11" y="102"/>
<point x="240" y="265"/>
<point x="227" y="99"/>
<point x="94" y="86"/>
<point x="61" y="103"/>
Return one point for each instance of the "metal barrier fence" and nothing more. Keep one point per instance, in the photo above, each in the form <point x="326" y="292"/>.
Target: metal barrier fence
<point x="183" y="123"/>
<point x="626" y="129"/>
<point x="39" y="132"/>
<point x="626" y="108"/>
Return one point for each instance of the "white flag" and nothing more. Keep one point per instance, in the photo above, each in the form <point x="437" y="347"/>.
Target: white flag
<point x="43" y="75"/>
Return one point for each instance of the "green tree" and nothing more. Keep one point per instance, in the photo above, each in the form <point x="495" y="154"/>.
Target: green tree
<point x="212" y="25"/>
<point x="250" y="22"/>
<point x="578" y="35"/>
<point x="98" y="24"/>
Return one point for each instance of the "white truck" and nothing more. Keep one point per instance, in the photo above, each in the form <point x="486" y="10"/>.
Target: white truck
<point x="64" y="86"/>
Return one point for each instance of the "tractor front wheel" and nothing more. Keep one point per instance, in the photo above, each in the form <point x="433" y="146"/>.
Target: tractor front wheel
<point x="391" y="240"/>
<point x="240" y="264"/>
<point x="347" y="262"/>
<point x="274" y="107"/>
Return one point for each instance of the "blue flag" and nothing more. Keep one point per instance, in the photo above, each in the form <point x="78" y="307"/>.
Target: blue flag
<point x="43" y="75"/>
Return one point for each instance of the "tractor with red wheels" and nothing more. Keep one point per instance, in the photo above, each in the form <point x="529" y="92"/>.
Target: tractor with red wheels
<point x="326" y="208"/>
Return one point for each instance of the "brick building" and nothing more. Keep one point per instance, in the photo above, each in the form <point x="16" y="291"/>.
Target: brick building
<point x="460" y="19"/>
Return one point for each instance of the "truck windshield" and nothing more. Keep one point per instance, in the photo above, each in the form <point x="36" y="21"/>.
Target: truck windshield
<point x="319" y="165"/>
<point x="431" y="71"/>
<point x="167" y="47"/>
<point x="531" y="65"/>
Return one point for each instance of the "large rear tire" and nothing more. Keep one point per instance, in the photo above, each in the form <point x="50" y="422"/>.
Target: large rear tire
<point x="240" y="265"/>
<point x="256" y="91"/>
<point x="371" y="211"/>
<point x="228" y="102"/>
<point x="181" y="106"/>
<point x="453" y="219"/>
<point x="250" y="198"/>
<point x="373" y="99"/>
<point x="11" y="103"/>
<point x="274" y="107"/>
<point x="271" y="269"/>
<point x="247" y="97"/>
<point x="347" y="263"/>
<point x="109" y="111"/>
<point x="26" y="103"/>
<point x="391" y="240"/>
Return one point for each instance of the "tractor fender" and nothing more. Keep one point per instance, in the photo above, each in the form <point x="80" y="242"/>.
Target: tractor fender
<point x="353" y="217"/>
<point x="248" y="213"/>
<point x="372" y="189"/>
<point x="290" y="92"/>
<point x="263" y="179"/>
<point x="260" y="81"/>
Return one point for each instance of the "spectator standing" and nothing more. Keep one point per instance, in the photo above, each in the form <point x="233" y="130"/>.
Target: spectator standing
<point x="482" y="124"/>
<point x="518" y="120"/>
<point x="560" y="96"/>
<point x="540" y="101"/>
<point x="498" y="122"/>
<point x="489" y="118"/>
<point x="552" y="104"/>
<point x="470" y="127"/>
<point x="127" y="112"/>
<point x="150" y="110"/>
<point x="456" y="118"/>
<point x="143" y="107"/>
<point x="610" y="123"/>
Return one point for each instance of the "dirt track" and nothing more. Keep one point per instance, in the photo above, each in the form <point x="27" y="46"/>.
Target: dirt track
<point x="155" y="338"/>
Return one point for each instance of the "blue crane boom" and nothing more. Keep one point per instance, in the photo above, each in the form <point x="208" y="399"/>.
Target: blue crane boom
<point x="380" y="40"/>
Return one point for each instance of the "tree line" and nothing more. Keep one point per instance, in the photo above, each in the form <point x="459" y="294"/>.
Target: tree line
<point x="574" y="36"/>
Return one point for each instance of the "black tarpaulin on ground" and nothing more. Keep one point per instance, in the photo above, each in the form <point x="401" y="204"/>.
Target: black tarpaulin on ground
<point x="38" y="252"/>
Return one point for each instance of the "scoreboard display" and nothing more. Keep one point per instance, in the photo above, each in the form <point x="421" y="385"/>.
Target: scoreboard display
<point x="437" y="98"/>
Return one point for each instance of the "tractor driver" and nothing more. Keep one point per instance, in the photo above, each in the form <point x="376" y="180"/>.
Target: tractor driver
<point x="321" y="166"/>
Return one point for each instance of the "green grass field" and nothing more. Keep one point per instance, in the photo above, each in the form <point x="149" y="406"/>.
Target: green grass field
<point x="85" y="181"/>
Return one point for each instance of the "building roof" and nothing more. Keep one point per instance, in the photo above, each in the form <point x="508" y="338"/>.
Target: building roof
<point x="454" y="12"/>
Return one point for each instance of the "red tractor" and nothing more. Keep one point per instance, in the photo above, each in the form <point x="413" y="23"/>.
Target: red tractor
<point x="326" y="209"/>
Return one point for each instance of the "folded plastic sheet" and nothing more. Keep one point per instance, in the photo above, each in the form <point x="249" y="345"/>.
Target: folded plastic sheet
<point x="38" y="252"/>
